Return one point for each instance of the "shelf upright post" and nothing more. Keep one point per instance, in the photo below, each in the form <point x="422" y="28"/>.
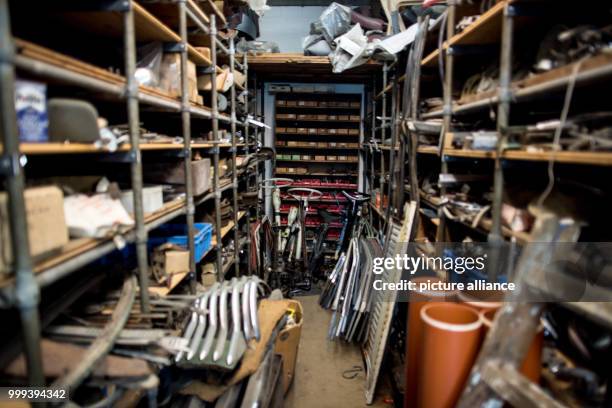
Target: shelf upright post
<point x="383" y="133"/>
<point x="215" y="130"/>
<point x="495" y="237"/>
<point x="27" y="294"/>
<point x="447" y="112"/>
<point x="131" y="94"/>
<point x="245" y="71"/>
<point x="232" y="57"/>
<point x="186" y="124"/>
<point x="393" y="125"/>
<point x="373" y="138"/>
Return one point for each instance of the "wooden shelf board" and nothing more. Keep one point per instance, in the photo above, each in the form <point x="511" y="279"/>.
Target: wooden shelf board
<point x="316" y="148"/>
<point x="315" y="134"/>
<point x="328" y="108"/>
<point x="317" y="120"/>
<point x="318" y="161"/>
<point x="485" y="30"/>
<point x="573" y="157"/>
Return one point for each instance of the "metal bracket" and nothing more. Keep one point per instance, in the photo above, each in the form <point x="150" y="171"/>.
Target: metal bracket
<point x="204" y="70"/>
<point x="10" y="165"/>
<point x="174" y="47"/>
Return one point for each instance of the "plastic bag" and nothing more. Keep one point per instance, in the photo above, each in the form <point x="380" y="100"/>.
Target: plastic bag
<point x="255" y="47"/>
<point x="316" y="45"/>
<point x="149" y="64"/>
<point x="335" y="21"/>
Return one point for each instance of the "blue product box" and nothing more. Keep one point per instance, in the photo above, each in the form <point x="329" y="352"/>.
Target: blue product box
<point x="31" y="109"/>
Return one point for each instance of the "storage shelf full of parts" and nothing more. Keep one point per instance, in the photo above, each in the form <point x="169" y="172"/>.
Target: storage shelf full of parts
<point x="129" y="22"/>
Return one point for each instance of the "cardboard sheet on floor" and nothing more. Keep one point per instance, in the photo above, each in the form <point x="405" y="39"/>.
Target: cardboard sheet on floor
<point x="60" y="358"/>
<point x="269" y="313"/>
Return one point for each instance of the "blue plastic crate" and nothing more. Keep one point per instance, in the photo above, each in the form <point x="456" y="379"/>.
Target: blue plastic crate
<point x="177" y="234"/>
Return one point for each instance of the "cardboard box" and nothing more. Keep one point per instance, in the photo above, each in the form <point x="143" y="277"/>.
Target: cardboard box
<point x="355" y="118"/>
<point x="306" y="157"/>
<point x="301" y="170"/>
<point x="281" y="130"/>
<point x="47" y="230"/>
<point x="291" y="103"/>
<point x="323" y="104"/>
<point x="290" y="169"/>
<point x="342" y="158"/>
<point x="167" y="260"/>
<point x="332" y="117"/>
<point x="291" y="130"/>
<point x="152" y="199"/>
<point x="280" y="102"/>
<point x="332" y="158"/>
<point x="224" y="81"/>
<point x="320" y="158"/>
<point x="342" y="131"/>
<point x="321" y="144"/>
<point x="333" y="144"/>
<point x="295" y="157"/>
<point x="287" y="343"/>
<point x="174" y="173"/>
<point x="342" y="104"/>
<point x="312" y="131"/>
<point x="332" y="131"/>
<point x="353" y="131"/>
<point x="343" y="117"/>
<point x="355" y="105"/>
<point x="302" y="131"/>
<point x="170" y="77"/>
<point x="292" y="143"/>
<point x="311" y="144"/>
<point x="322" y="117"/>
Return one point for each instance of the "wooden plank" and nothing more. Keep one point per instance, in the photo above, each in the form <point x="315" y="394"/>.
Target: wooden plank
<point x="485" y="30"/>
<point x="570" y="157"/>
<point x="210" y="7"/>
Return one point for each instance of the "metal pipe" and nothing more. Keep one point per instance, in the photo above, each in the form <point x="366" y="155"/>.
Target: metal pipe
<point x="495" y="236"/>
<point x="392" y="152"/>
<point x="447" y="118"/>
<point x="186" y="122"/>
<point x="131" y="94"/>
<point x="27" y="294"/>
<point x="232" y="57"/>
<point x="104" y="342"/>
<point x="246" y="145"/>
<point x="215" y="130"/>
<point x="383" y="133"/>
<point x="373" y="133"/>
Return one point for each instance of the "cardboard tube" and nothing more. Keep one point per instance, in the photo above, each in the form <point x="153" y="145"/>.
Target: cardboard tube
<point x="451" y="339"/>
<point x="415" y="329"/>
<point x="532" y="365"/>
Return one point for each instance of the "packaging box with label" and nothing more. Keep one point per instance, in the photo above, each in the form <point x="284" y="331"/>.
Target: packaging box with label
<point x="353" y="131"/>
<point x="332" y="158"/>
<point x="174" y="173"/>
<point x="280" y="102"/>
<point x="355" y="118"/>
<point x="322" y="117"/>
<point x="343" y="117"/>
<point x="31" y="110"/>
<point x="320" y="158"/>
<point x="47" y="230"/>
<point x="302" y="131"/>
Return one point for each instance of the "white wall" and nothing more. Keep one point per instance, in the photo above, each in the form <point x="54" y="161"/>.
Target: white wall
<point x="288" y="25"/>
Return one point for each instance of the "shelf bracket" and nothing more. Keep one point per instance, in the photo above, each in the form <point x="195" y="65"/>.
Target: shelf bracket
<point x="10" y="165"/>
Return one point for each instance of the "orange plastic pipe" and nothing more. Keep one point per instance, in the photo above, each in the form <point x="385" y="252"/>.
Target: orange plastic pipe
<point x="451" y="340"/>
<point x="415" y="330"/>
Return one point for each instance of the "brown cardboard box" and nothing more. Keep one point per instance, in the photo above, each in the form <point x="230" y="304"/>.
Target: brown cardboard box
<point x="343" y="117"/>
<point x="342" y="158"/>
<point x="306" y="157"/>
<point x="290" y="169"/>
<point x="333" y="144"/>
<point x="167" y="261"/>
<point x="281" y="170"/>
<point x="292" y="143"/>
<point x="355" y="118"/>
<point x="332" y="131"/>
<point x="301" y="170"/>
<point x="280" y="102"/>
<point x="288" y="341"/>
<point x="170" y="76"/>
<point x="47" y="230"/>
<point x="332" y="117"/>
<point x="321" y="144"/>
<point x="320" y="158"/>
<point x="302" y="131"/>
<point x="312" y="131"/>
<point x="342" y="144"/>
<point x="306" y="117"/>
<point x="291" y="103"/>
<point x="321" y="131"/>
<point x="353" y="131"/>
<point x="355" y="104"/>
<point x="311" y="144"/>
<point x="291" y="130"/>
<point x="205" y="51"/>
<point x="332" y="158"/>
<point x="343" y="131"/>
<point x="281" y="130"/>
<point x="322" y="117"/>
<point x="174" y="173"/>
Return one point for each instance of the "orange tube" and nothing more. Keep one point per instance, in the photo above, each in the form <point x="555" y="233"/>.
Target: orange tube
<point x="451" y="339"/>
<point x="481" y="299"/>
<point x="532" y="365"/>
<point x="415" y="329"/>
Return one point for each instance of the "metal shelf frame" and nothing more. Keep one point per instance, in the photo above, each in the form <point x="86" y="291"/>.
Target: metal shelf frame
<point x="24" y="293"/>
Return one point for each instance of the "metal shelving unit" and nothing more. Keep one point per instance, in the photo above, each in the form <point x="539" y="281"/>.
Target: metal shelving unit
<point x="22" y="291"/>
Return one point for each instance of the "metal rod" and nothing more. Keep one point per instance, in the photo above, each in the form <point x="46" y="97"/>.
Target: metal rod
<point x="131" y="93"/>
<point x="448" y="115"/>
<point x="27" y="294"/>
<point x="104" y="342"/>
<point x="383" y="133"/>
<point x="215" y="130"/>
<point x="232" y="58"/>
<point x="392" y="153"/>
<point x="186" y="122"/>
<point x="248" y="180"/>
<point x="495" y="236"/>
<point x="373" y="133"/>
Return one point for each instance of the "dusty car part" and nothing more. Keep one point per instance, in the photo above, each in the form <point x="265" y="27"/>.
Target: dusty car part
<point x="191" y="326"/>
<point x="237" y="344"/>
<point x="212" y="326"/>
<point x="223" y="320"/>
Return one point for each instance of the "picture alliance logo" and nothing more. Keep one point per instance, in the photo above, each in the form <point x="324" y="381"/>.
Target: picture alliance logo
<point x="413" y="264"/>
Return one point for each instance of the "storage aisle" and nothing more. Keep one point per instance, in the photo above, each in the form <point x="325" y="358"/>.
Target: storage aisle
<point x="320" y="363"/>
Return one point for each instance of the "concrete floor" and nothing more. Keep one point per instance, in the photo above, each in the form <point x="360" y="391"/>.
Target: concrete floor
<point x="318" y="380"/>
